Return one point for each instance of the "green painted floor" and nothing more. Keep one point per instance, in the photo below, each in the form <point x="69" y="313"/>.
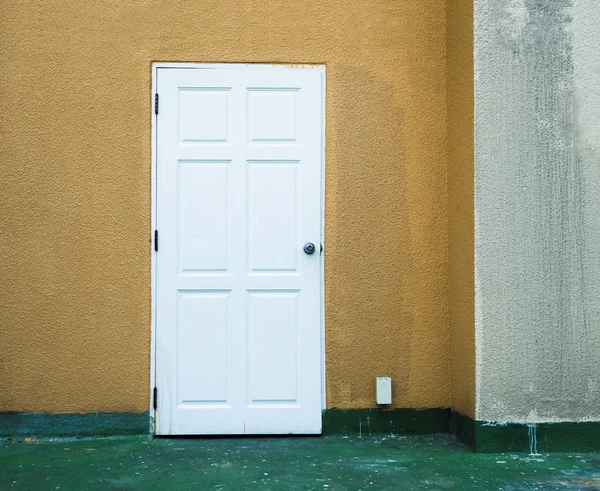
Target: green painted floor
<point x="317" y="463"/>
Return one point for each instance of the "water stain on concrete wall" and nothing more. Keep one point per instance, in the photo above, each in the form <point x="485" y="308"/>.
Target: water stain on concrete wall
<point x="537" y="218"/>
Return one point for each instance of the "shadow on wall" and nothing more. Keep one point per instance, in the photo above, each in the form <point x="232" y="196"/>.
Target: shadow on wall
<point x="369" y="319"/>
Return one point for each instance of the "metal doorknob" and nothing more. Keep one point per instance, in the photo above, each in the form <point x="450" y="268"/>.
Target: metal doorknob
<point x="309" y="248"/>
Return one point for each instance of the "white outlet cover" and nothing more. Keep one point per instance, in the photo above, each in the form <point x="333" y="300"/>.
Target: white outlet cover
<point x="383" y="387"/>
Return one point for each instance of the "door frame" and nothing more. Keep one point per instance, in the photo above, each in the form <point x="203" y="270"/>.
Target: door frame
<point x="153" y="205"/>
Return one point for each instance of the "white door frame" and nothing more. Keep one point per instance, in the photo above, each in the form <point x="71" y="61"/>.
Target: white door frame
<point x="154" y="163"/>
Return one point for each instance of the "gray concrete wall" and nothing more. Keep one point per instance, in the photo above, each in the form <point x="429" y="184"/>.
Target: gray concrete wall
<point x="537" y="210"/>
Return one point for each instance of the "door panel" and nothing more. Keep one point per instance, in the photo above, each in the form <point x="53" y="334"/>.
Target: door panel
<point x="202" y="216"/>
<point x="238" y="194"/>
<point x="272" y="115"/>
<point x="203" y="115"/>
<point x="201" y="355"/>
<point x="272" y="347"/>
<point x="272" y="212"/>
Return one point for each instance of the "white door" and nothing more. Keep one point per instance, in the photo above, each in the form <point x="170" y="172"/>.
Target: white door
<point x="238" y="180"/>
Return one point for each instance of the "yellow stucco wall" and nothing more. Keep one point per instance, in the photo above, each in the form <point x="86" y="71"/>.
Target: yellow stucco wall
<point x="75" y="119"/>
<point x="461" y="204"/>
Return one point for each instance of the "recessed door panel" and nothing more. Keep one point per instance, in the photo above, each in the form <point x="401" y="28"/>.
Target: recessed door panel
<point x="203" y="115"/>
<point x="202" y="216"/>
<point x="272" y="115"/>
<point x="272" y="216"/>
<point x="202" y="348"/>
<point x="272" y="347"/>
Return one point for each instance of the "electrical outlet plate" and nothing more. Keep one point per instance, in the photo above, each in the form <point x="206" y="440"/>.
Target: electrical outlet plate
<point x="383" y="387"/>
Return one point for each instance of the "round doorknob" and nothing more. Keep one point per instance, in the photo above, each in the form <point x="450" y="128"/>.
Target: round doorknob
<point x="309" y="248"/>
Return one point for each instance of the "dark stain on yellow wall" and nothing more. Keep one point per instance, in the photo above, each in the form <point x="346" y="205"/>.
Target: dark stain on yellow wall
<point x="461" y="204"/>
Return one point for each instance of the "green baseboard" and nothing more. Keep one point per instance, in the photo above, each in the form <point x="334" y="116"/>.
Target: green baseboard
<point x="365" y="422"/>
<point x="463" y="428"/>
<point x="490" y="436"/>
<point x="335" y="422"/>
<point x="17" y="424"/>
<point x="481" y="436"/>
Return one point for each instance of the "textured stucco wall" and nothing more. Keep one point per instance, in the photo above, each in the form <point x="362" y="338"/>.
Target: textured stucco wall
<point x="461" y="287"/>
<point x="537" y="234"/>
<point x="75" y="190"/>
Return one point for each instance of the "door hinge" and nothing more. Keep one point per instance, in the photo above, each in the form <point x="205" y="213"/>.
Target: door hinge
<point x="155" y="403"/>
<point x="156" y="240"/>
<point x="321" y="251"/>
<point x="156" y="103"/>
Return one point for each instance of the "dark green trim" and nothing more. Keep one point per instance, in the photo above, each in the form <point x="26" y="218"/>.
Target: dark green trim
<point x="365" y="422"/>
<point x="89" y="424"/>
<point x="547" y="437"/>
<point x="463" y="428"/>
<point x="490" y="436"/>
<point x="481" y="436"/>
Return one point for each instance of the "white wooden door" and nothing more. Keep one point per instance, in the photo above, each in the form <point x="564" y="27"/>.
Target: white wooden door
<point x="238" y="181"/>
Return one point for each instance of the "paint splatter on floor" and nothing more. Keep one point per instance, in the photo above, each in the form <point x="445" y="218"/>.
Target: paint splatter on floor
<point x="303" y="463"/>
